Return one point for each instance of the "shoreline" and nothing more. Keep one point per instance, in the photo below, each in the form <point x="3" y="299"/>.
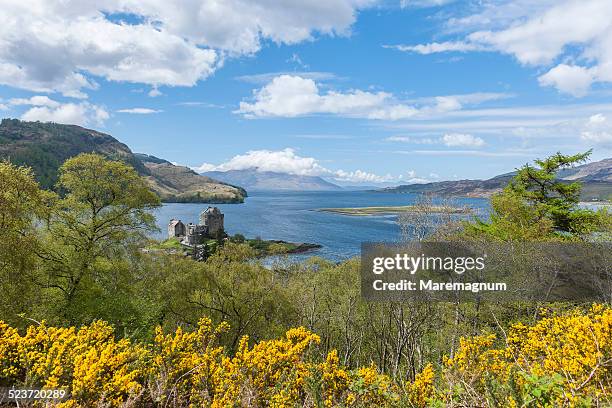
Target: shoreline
<point x="394" y="210"/>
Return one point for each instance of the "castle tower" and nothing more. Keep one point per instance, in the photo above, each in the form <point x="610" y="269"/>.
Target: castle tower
<point x="212" y="220"/>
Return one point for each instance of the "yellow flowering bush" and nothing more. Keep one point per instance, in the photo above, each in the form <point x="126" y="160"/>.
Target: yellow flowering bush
<point x="421" y="391"/>
<point x="562" y="360"/>
<point x="88" y="361"/>
<point x="183" y="367"/>
<point x="177" y="369"/>
<point x="364" y="386"/>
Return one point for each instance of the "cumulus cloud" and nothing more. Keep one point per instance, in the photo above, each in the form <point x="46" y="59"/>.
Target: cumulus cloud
<point x="579" y="30"/>
<point x="570" y="79"/>
<point x="56" y="46"/>
<point x="284" y="161"/>
<point x="139" y="111"/>
<point x="44" y="109"/>
<point x="37" y="100"/>
<point x="83" y="114"/>
<point x="462" y="139"/>
<point x="359" y="176"/>
<point x="291" y="96"/>
<point x="598" y="131"/>
<point x="287" y="161"/>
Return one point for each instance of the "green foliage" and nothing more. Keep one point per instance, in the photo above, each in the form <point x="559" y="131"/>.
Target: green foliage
<point x="21" y="203"/>
<point x="535" y="205"/>
<point x="238" y="238"/>
<point x="170" y="243"/>
<point x="105" y="212"/>
<point x="542" y="391"/>
<point x="551" y="198"/>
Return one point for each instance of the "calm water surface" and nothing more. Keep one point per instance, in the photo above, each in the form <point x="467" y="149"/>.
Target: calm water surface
<point x="292" y="216"/>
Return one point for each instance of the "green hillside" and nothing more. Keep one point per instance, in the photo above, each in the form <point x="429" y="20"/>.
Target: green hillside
<point x="45" y="146"/>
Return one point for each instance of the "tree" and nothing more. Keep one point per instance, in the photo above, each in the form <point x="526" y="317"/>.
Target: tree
<point x="104" y="213"/>
<point x="537" y="205"/>
<point x="22" y="203"/>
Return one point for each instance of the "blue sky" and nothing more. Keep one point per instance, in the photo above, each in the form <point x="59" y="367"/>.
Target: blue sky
<point x="356" y="91"/>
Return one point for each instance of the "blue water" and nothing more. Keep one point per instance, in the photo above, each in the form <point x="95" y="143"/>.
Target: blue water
<point x="291" y="216"/>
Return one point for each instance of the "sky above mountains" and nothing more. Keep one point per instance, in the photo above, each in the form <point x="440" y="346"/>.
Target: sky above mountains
<point x="357" y="91"/>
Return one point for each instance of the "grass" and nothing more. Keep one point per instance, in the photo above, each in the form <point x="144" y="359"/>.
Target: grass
<point x="261" y="247"/>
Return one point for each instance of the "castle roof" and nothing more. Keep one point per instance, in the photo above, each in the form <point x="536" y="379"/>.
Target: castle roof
<point x="173" y="222"/>
<point x="212" y="210"/>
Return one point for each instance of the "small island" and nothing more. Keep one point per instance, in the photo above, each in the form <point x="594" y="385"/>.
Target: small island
<point x="203" y="239"/>
<point x="394" y="210"/>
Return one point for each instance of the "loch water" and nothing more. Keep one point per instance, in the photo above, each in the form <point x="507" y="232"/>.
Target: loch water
<point x="293" y="216"/>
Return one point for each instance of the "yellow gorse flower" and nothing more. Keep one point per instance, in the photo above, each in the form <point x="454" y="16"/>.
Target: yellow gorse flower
<point x="565" y="357"/>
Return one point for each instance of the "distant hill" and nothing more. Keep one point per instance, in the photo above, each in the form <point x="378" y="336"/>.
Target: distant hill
<point x="45" y="146"/>
<point x="599" y="171"/>
<point x="181" y="184"/>
<point x="254" y="180"/>
<point x="596" y="178"/>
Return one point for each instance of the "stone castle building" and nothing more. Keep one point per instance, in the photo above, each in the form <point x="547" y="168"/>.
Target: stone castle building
<point x="176" y="229"/>
<point x="210" y="226"/>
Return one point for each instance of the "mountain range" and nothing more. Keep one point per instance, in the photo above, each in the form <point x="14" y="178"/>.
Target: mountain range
<point x="45" y="146"/>
<point x="253" y="180"/>
<point x="596" y="179"/>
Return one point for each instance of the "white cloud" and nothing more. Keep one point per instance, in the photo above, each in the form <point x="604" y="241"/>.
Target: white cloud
<point x="535" y="128"/>
<point x="597" y="131"/>
<point x="3" y="106"/>
<point x="571" y="79"/>
<point x="284" y="161"/>
<point x="204" y="167"/>
<point x="140" y="111"/>
<point x="261" y="79"/>
<point x="45" y="109"/>
<point x="37" y="100"/>
<point x="54" y="46"/>
<point x="287" y="161"/>
<point x="292" y="96"/>
<point x="579" y="30"/>
<point x="449" y="139"/>
<point x="462" y="139"/>
<point x="83" y="114"/>
<point x="424" y="3"/>
<point x="435" y="47"/>
<point x="359" y="176"/>
<point x="475" y="153"/>
<point x="413" y="178"/>
<point x="154" y="92"/>
<point x="398" y="139"/>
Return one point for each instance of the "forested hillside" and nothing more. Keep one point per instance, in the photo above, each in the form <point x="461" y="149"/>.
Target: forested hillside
<point x="45" y="146"/>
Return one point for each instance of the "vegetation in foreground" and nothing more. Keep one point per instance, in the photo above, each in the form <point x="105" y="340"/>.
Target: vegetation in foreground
<point x="123" y="327"/>
<point x="561" y="360"/>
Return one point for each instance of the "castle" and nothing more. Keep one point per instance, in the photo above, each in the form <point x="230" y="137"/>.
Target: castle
<point x="210" y="226"/>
